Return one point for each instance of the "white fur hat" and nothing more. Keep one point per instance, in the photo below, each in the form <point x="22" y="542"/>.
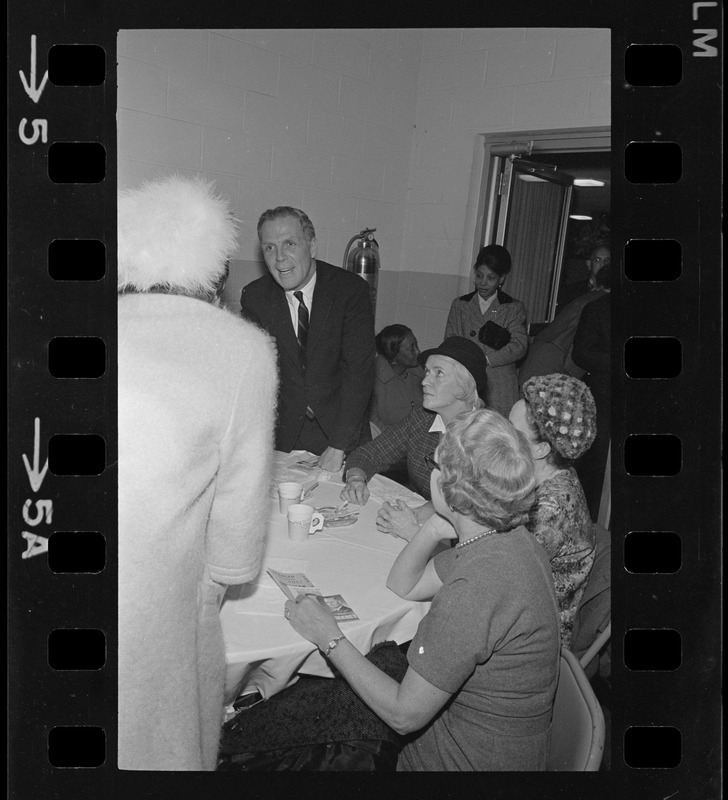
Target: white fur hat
<point x="174" y="232"/>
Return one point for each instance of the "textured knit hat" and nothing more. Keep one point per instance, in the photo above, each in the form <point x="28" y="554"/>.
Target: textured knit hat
<point x="466" y="353"/>
<point x="562" y="410"/>
<point x="175" y="232"/>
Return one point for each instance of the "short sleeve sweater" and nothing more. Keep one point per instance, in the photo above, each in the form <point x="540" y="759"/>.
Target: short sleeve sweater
<point x="491" y="638"/>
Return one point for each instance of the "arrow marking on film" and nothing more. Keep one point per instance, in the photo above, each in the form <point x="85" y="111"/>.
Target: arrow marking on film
<point x="35" y="475"/>
<point x="33" y="91"/>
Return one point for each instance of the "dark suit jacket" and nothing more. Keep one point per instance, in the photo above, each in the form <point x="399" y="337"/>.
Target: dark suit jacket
<point x="339" y="372"/>
<point x="591" y="341"/>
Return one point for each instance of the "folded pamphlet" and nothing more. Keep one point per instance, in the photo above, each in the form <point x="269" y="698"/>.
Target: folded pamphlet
<point x="293" y="584"/>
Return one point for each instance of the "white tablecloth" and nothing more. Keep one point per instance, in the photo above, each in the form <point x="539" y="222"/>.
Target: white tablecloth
<point x="262" y="651"/>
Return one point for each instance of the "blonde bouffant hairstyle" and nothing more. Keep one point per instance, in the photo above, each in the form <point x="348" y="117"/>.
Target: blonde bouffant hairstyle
<point x="487" y="470"/>
<point x="175" y="235"/>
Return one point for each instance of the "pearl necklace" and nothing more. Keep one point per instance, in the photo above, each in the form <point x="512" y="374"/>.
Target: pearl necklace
<point x="474" y="538"/>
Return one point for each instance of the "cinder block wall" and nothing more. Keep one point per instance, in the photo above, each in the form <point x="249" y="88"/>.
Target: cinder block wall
<point x="475" y="81"/>
<point x="318" y="119"/>
<point x="359" y="127"/>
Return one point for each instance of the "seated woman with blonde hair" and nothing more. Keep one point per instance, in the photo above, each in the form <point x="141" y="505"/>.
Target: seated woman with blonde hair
<point x="455" y="381"/>
<point x="478" y="693"/>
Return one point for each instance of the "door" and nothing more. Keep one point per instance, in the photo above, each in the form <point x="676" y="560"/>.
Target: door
<point x="532" y="213"/>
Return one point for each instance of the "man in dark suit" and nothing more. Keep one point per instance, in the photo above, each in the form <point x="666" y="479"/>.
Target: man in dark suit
<point x="321" y="318"/>
<point x="599" y="257"/>
<point x="592" y="352"/>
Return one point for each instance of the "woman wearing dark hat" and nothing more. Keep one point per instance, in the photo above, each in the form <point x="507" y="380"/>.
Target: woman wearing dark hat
<point x="558" y="417"/>
<point x="455" y="381"/>
<point x="495" y="322"/>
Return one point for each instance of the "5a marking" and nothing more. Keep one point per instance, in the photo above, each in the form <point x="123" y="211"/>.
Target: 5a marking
<point x="34" y="91"/>
<point x="43" y="508"/>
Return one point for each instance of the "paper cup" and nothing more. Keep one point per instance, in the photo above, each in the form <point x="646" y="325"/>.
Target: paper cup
<point x="288" y="494"/>
<point x="303" y="521"/>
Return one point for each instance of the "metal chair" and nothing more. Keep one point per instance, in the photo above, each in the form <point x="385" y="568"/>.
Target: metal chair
<point x="596" y="647"/>
<point x="577" y="733"/>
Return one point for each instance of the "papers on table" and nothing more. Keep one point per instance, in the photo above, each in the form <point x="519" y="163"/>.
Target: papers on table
<point x="386" y="491"/>
<point x="262" y="596"/>
<point x="297" y="466"/>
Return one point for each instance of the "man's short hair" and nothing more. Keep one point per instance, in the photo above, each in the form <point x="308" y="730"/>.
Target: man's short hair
<point x="278" y="212"/>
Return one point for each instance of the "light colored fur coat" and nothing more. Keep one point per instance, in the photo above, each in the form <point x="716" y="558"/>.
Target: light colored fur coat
<point x="197" y="389"/>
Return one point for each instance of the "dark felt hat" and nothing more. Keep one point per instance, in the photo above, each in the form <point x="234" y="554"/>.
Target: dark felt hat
<point x="466" y="353"/>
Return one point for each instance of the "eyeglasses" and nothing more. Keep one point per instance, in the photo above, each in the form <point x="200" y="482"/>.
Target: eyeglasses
<point x="431" y="463"/>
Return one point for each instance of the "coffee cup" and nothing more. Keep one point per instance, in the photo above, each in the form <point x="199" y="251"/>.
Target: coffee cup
<point x="303" y="521"/>
<point x="288" y="494"/>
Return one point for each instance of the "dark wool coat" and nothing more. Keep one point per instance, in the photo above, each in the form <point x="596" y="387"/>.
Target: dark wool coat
<point x="466" y="320"/>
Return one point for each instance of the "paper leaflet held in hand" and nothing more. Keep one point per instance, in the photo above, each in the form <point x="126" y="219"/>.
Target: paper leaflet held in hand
<point x="295" y="583"/>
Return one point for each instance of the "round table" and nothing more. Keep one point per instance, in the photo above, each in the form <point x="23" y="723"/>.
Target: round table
<point x="262" y="651"/>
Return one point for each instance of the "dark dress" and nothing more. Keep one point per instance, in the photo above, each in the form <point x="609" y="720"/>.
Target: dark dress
<point x="592" y="352"/>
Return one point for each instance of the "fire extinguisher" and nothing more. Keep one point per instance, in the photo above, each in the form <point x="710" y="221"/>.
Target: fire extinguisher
<point x="363" y="260"/>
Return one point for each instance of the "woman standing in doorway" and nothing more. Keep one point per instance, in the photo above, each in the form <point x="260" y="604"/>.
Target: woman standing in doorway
<point x="496" y="322"/>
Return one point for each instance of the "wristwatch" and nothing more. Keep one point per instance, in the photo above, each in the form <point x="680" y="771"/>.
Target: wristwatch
<point x="332" y="644"/>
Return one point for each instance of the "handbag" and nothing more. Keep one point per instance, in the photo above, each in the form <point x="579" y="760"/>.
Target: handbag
<point x="493" y="335"/>
<point x="318" y="724"/>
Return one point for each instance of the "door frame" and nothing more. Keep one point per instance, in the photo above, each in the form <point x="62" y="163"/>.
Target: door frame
<point x="507" y="167"/>
<point x="523" y="143"/>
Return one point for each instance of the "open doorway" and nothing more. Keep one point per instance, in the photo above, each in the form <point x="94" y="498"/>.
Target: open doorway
<point x="588" y="218"/>
<point x="534" y="201"/>
<point x="531" y="201"/>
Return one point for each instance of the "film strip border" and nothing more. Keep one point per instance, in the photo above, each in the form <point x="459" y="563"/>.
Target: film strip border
<point x="665" y="445"/>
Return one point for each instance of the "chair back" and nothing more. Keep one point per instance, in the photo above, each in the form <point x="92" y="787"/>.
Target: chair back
<point x="592" y="624"/>
<point x="595" y="648"/>
<point x="577" y="731"/>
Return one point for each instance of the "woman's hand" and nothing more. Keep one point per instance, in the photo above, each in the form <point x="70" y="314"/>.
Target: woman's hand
<point x="356" y="491"/>
<point x="399" y="520"/>
<point x="312" y="619"/>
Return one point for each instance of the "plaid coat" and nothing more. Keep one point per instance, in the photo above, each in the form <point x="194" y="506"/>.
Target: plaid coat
<point x="410" y="439"/>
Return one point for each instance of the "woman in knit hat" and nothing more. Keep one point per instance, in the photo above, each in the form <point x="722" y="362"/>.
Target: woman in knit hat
<point x="558" y="417"/>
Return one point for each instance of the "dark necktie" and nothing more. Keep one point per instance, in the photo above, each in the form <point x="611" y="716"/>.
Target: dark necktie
<point x="302" y="320"/>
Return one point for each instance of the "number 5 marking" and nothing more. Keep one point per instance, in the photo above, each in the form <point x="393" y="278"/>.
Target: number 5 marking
<point x="45" y="507"/>
<point x="40" y="131"/>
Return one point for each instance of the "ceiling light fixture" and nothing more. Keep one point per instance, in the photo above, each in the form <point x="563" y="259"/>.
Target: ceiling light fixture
<point x="587" y="182"/>
<point x="580" y="217"/>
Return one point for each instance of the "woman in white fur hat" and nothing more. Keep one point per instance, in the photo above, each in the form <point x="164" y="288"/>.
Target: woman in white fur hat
<point x="197" y="389"/>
